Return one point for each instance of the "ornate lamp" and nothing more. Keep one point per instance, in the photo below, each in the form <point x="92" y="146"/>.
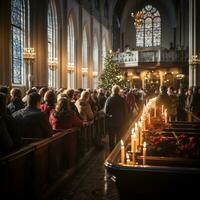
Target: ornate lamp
<point x="195" y="60"/>
<point x="29" y="56"/>
<point x="53" y="63"/>
<point x="137" y="18"/>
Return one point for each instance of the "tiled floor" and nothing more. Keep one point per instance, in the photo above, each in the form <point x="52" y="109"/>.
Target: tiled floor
<point x="92" y="182"/>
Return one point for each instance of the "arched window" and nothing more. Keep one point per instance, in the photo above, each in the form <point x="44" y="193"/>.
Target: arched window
<point x="19" y="12"/>
<point x="95" y="63"/>
<point x="104" y="49"/>
<point x="52" y="46"/>
<point x="71" y="52"/>
<point x="85" y="60"/>
<point x="149" y="34"/>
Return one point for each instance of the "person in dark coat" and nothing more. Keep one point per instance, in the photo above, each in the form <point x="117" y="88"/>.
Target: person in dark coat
<point x="16" y="100"/>
<point x="9" y="131"/>
<point x="181" y="113"/>
<point x="117" y="111"/>
<point x="101" y="99"/>
<point x="195" y="102"/>
<point x="33" y="122"/>
<point x="163" y="99"/>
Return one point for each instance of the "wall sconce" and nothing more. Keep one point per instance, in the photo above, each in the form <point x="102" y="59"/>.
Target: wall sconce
<point x="84" y="70"/>
<point x="53" y="63"/>
<point x="195" y="60"/>
<point x="29" y="56"/>
<point x="95" y="73"/>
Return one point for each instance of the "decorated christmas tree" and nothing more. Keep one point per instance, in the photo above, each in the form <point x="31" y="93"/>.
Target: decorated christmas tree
<point x="111" y="74"/>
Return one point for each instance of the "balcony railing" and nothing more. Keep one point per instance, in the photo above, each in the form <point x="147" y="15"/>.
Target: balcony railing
<point x="155" y="57"/>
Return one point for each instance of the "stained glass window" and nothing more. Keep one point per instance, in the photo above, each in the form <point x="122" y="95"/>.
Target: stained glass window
<point x="149" y="34"/>
<point x="71" y="52"/>
<point x="84" y="59"/>
<point x="17" y="40"/>
<point x="52" y="44"/>
<point x="95" y="63"/>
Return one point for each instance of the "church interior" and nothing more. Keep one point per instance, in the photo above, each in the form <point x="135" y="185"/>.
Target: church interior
<point x="99" y="99"/>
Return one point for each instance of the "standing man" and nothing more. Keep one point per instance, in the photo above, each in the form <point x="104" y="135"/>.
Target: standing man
<point x="116" y="110"/>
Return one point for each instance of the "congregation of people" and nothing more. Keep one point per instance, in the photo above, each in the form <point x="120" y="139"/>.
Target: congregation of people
<point x="179" y="102"/>
<point x="43" y="112"/>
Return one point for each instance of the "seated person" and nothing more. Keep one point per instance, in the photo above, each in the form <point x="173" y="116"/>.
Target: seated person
<point x="84" y="107"/>
<point x="16" y="100"/>
<point x="9" y="131"/>
<point x="70" y="95"/>
<point x="63" y="117"/>
<point x="49" y="103"/>
<point x="33" y="123"/>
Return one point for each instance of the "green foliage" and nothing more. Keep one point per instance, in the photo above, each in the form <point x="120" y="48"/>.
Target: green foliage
<point x="111" y="74"/>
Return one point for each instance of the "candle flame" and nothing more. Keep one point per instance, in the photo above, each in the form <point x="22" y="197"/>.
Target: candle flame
<point x="136" y="125"/>
<point x="127" y="156"/>
<point x="122" y="143"/>
<point x="145" y="144"/>
<point x="133" y="131"/>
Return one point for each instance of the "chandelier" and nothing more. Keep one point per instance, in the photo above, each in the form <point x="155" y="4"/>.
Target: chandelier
<point x="137" y="18"/>
<point x="195" y="60"/>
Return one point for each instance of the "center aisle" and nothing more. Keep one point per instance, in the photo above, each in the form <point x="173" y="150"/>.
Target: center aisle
<point x="91" y="182"/>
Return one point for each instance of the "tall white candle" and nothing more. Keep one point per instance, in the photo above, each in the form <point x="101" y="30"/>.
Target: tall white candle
<point x="132" y="140"/>
<point x="149" y="118"/>
<point x="155" y="110"/>
<point x="162" y="109"/>
<point x="140" y="132"/>
<point x="144" y="153"/>
<point x="122" y="152"/>
<point x="165" y="115"/>
<point x="127" y="159"/>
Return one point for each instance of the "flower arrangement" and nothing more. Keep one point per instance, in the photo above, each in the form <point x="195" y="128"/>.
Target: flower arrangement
<point x="185" y="146"/>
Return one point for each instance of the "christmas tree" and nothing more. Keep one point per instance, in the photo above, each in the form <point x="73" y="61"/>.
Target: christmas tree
<point x="111" y="74"/>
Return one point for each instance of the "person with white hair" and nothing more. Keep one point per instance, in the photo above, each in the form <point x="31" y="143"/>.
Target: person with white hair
<point x="84" y="107"/>
<point x="116" y="110"/>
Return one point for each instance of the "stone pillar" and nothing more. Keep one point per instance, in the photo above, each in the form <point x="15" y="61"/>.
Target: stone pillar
<point x="192" y="41"/>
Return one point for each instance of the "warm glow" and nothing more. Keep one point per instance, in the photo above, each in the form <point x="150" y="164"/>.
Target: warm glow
<point x="127" y="156"/>
<point x="29" y="53"/>
<point x="122" y="143"/>
<point x="144" y="144"/>
<point x="133" y="131"/>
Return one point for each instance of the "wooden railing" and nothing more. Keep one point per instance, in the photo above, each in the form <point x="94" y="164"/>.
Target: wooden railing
<point x="157" y="56"/>
<point x="36" y="170"/>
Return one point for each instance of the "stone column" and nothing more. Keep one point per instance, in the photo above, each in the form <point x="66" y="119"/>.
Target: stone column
<point x="192" y="41"/>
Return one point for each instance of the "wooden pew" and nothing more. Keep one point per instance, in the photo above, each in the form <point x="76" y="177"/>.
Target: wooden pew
<point x="36" y="170"/>
<point x="16" y="174"/>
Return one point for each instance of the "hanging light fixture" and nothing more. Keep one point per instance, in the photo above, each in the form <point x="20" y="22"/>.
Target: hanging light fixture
<point x="138" y="18"/>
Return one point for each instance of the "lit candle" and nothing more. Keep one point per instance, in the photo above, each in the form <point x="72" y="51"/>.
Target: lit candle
<point x="127" y="159"/>
<point x="155" y="110"/>
<point x="140" y="132"/>
<point x="132" y="140"/>
<point x="144" y="153"/>
<point x="122" y="152"/>
<point x="149" y="118"/>
<point x="165" y="115"/>
<point x="162" y="109"/>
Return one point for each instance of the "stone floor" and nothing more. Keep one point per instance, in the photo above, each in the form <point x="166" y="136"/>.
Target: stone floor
<point x="92" y="181"/>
